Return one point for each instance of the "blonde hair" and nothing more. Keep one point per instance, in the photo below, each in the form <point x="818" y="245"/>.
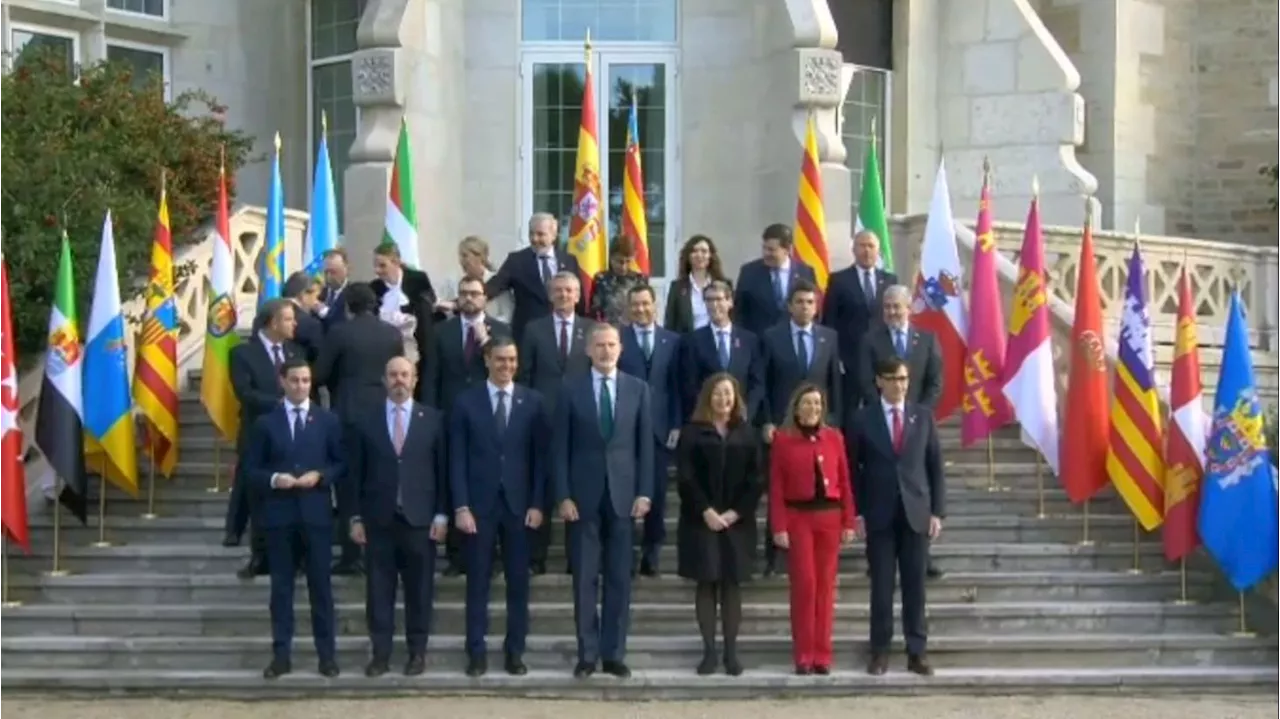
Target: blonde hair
<point x="477" y="246"/>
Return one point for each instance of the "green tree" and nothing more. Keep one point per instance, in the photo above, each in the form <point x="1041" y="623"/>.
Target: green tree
<point x="71" y="151"/>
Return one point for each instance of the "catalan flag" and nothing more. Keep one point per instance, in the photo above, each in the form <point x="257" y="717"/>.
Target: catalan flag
<point x="271" y="271"/>
<point x="1135" y="445"/>
<point x="634" y="224"/>
<point x="587" y="242"/>
<point x="155" y="382"/>
<point x="1188" y="427"/>
<point x="216" y="392"/>
<point x="811" y="220"/>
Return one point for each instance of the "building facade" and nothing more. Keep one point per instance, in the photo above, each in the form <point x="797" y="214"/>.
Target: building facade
<point x="1162" y="109"/>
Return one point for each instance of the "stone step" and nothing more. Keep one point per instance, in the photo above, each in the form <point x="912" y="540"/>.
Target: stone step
<point x="160" y="620"/>
<point x="973" y="587"/>
<point x="186" y="559"/>
<point x="649" y="685"/>
<point x="961" y="529"/>
<point x="558" y="653"/>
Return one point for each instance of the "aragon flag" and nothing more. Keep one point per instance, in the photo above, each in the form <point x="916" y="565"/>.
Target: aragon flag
<point x="60" y="413"/>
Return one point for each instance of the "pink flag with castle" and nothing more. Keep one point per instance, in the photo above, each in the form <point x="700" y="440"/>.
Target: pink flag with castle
<point x="984" y="407"/>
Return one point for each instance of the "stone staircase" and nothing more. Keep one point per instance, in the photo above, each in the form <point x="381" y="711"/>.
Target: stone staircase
<point x="1024" y="607"/>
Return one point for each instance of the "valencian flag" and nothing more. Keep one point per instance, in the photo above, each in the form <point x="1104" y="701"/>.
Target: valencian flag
<point x="322" y="229"/>
<point x="1029" y="378"/>
<point x="1185" y="437"/>
<point x="984" y="407"/>
<point x="938" y="305"/>
<point x="13" y="474"/>
<point x="60" y="414"/>
<point x="271" y="271"/>
<point x="635" y="225"/>
<point x="871" y="205"/>
<point x="155" y="381"/>
<point x="110" y="448"/>
<point x="1087" y="416"/>
<point x="1238" y="503"/>
<point x="1135" y="456"/>
<point x="401" y="225"/>
<point x="811" y="220"/>
<point x="587" y="241"/>
<point x="216" y="392"/>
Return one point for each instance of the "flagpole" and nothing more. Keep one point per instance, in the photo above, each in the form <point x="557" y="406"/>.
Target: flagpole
<point x="1039" y="487"/>
<point x="151" y="477"/>
<point x="1182" y="583"/>
<point x="991" y="466"/>
<point x="1084" y="540"/>
<point x="217" y="465"/>
<point x="102" y="505"/>
<point x="1243" y="630"/>
<point x="6" y="601"/>
<point x="57" y="570"/>
<point x="1137" y="556"/>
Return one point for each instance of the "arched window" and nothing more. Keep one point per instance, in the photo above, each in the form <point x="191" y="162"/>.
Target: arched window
<point x="331" y="43"/>
<point x="865" y="29"/>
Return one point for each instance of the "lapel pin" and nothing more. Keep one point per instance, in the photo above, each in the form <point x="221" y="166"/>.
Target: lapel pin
<point x="737" y="343"/>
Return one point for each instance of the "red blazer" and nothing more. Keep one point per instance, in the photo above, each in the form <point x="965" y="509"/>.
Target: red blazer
<point x="792" y="459"/>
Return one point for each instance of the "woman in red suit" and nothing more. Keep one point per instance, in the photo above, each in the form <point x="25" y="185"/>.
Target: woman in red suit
<point x="811" y="510"/>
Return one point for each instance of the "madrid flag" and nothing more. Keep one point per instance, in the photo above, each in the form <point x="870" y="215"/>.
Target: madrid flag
<point x="1185" y="437"/>
<point x="938" y="305"/>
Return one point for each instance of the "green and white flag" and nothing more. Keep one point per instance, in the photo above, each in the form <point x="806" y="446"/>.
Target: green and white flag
<point x="401" y="227"/>
<point x="871" y="208"/>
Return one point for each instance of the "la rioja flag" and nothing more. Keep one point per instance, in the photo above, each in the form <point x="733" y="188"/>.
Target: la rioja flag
<point x="13" y="485"/>
<point x="938" y="306"/>
<point x="1187" y="432"/>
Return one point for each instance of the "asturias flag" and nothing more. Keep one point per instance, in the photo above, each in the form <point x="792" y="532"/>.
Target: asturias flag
<point x="811" y="220"/>
<point x="271" y="272"/>
<point x="635" y="224"/>
<point x="60" y="415"/>
<point x="401" y="225"/>
<point x="322" y="229"/>
<point x="155" y="381"/>
<point x="1238" y="502"/>
<point x="216" y="393"/>
<point x="587" y="240"/>
<point x="13" y="475"/>
<point x="984" y="407"/>
<point x="1185" y="437"/>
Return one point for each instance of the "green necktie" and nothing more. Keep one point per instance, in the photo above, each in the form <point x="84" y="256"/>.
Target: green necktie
<point x="606" y="410"/>
<point x="646" y="339"/>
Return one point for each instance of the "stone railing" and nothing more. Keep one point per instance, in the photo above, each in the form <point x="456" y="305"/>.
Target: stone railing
<point x="248" y="225"/>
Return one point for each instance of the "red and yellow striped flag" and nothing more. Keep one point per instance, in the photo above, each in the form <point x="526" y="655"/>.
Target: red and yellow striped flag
<point x="155" y="381"/>
<point x="811" y="220"/>
<point x="587" y="240"/>
<point x="634" y="224"/>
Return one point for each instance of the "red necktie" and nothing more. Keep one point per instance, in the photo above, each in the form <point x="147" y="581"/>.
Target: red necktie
<point x="897" y="429"/>
<point x="470" y="350"/>
<point x="564" y="342"/>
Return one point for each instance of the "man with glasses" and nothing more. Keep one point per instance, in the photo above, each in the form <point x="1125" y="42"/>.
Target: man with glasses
<point x="722" y="346"/>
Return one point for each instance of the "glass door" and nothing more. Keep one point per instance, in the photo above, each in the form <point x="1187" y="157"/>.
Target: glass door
<point x="554" y="82"/>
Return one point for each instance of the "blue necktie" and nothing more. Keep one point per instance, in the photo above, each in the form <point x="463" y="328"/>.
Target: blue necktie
<point x="779" y="292"/>
<point x="722" y="348"/>
<point x="802" y="349"/>
<point x="900" y="343"/>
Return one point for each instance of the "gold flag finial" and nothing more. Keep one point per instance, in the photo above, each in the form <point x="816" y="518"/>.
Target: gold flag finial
<point x="1088" y="211"/>
<point x="1035" y="187"/>
<point x="586" y="49"/>
<point x="222" y="159"/>
<point x="873" y="130"/>
<point x="1137" y="226"/>
<point x="986" y="167"/>
<point x="324" y="123"/>
<point x="164" y="182"/>
<point x="277" y="142"/>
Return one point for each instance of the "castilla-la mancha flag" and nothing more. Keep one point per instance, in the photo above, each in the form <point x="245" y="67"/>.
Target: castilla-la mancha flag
<point x="1186" y="434"/>
<point x="13" y="476"/>
<point x="587" y="241"/>
<point x="984" y="408"/>
<point x="938" y="305"/>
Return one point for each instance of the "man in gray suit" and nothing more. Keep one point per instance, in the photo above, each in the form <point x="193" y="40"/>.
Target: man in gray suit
<point x="602" y="459"/>
<point x="553" y="348"/>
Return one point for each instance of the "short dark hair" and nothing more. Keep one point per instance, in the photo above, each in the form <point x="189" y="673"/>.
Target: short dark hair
<point x="269" y="311"/>
<point x="497" y="342"/>
<point x="890" y="365"/>
<point x="338" y="252"/>
<point x="800" y="286"/>
<point x="778" y="231"/>
<point x="387" y="249"/>
<point x="360" y="298"/>
<point x="470" y="281"/>
<point x="298" y="283"/>
<point x="293" y="363"/>
<point x="646" y="287"/>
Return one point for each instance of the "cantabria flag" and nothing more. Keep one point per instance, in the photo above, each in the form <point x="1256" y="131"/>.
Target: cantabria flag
<point x="402" y="219"/>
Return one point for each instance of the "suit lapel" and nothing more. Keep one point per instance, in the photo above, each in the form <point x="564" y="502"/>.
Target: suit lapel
<point x="911" y="425"/>
<point x="820" y="348"/>
<point x="881" y="427"/>
<point x="578" y="341"/>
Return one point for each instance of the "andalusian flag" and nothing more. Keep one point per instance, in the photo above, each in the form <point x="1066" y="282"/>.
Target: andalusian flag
<point x="634" y="223"/>
<point x="871" y="205"/>
<point x="401" y="227"/>
<point x="155" y="382"/>
<point x="60" y="415"/>
<point x="587" y="240"/>
<point x="216" y="393"/>
<point x="811" y="220"/>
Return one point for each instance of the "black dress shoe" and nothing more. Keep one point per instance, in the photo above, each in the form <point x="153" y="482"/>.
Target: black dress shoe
<point x="376" y="668"/>
<point x="770" y="569"/>
<point x="538" y="568"/>
<point x="919" y="664"/>
<point x="933" y="572"/>
<point x="230" y="540"/>
<point x="583" y="670"/>
<point x="329" y="668"/>
<point x="617" y="669"/>
<point x="452" y="570"/>
<point x="821" y="670"/>
<point x="647" y="569"/>
<point x="255" y="567"/>
<point x="515" y="666"/>
<point x="277" y="668"/>
<point x="878" y="665"/>
<point x="803" y="670"/>
<point x="477" y="666"/>
<point x="416" y="665"/>
<point x="347" y="569"/>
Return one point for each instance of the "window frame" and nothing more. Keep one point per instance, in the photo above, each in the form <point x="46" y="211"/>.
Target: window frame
<point x="884" y="123"/>
<point x="50" y="30"/>
<point x="164" y="52"/>
<point x="615" y="44"/>
<point x="164" y="11"/>
<point x="312" y="64"/>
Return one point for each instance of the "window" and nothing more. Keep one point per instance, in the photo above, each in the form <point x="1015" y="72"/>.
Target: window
<point x="608" y="20"/>
<point x="332" y="43"/>
<point x="146" y="61"/>
<point x="150" y="8"/>
<point x="35" y="38"/>
<point x="866" y="110"/>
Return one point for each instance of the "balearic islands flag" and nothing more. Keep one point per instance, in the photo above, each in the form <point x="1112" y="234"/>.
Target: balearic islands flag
<point x="13" y="475"/>
<point x="60" y="415"/>
<point x="216" y="393"/>
<point x="811" y="220"/>
<point x="401" y="226"/>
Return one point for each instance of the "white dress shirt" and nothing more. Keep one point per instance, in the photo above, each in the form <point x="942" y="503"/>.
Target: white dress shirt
<point x="808" y="338"/>
<point x="888" y="410"/>
<point x="727" y="331"/>
<point x="291" y="414"/>
<point x="698" y="304"/>
<point x="271" y="351"/>
<point x="394" y="299"/>
<point x="407" y="407"/>
<point x="567" y="323"/>
<point x="494" y="389"/>
<point x="468" y="323"/>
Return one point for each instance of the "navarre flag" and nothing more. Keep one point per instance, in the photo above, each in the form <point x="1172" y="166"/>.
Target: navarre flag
<point x="938" y="305"/>
<point x="322" y="229"/>
<point x="635" y="224"/>
<point x="1135" y="449"/>
<point x="220" y="336"/>
<point x="110" y="448"/>
<point x="155" y="381"/>
<point x="1185" y="437"/>
<point x="871" y="215"/>
<point x="587" y="242"/>
<point x="13" y="475"/>
<point x="1029" y="378"/>
<point x="60" y="413"/>
<point x="1087" y="414"/>
<point x="1238" y="501"/>
<point x="984" y="407"/>
<point x="401" y="225"/>
<point x="811" y="220"/>
<point x="272" y="273"/>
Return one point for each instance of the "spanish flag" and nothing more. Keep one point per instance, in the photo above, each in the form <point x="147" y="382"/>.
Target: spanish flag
<point x="216" y="393"/>
<point x="155" y="382"/>
<point x="811" y="221"/>
<point x="587" y="240"/>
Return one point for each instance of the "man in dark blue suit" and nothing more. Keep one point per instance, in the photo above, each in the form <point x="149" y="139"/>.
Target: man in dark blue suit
<point x="303" y="291"/>
<point x="764" y="284"/>
<point x="602" y="463"/>
<point x="527" y="272"/>
<point x="333" y="304"/>
<point x="397" y="508"/>
<point x="652" y="353"/>
<point x="722" y="346"/>
<point x="295" y="457"/>
<point x="498" y="435"/>
<point x="851" y="307"/>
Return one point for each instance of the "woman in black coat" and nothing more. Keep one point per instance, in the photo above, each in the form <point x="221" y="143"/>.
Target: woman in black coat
<point x="719" y="472"/>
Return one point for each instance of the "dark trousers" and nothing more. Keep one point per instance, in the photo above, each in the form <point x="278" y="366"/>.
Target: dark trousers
<point x="770" y="551"/>
<point x="399" y="553"/>
<point x="479" y="550"/>
<point x="241" y="506"/>
<point x="283" y="544"/>
<point x="540" y="538"/>
<point x="350" y="550"/>
<point x="601" y="541"/>
<point x="898" y="550"/>
<point x="655" y="527"/>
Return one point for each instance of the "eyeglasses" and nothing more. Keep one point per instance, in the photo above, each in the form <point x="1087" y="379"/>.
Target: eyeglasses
<point x="895" y="378"/>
